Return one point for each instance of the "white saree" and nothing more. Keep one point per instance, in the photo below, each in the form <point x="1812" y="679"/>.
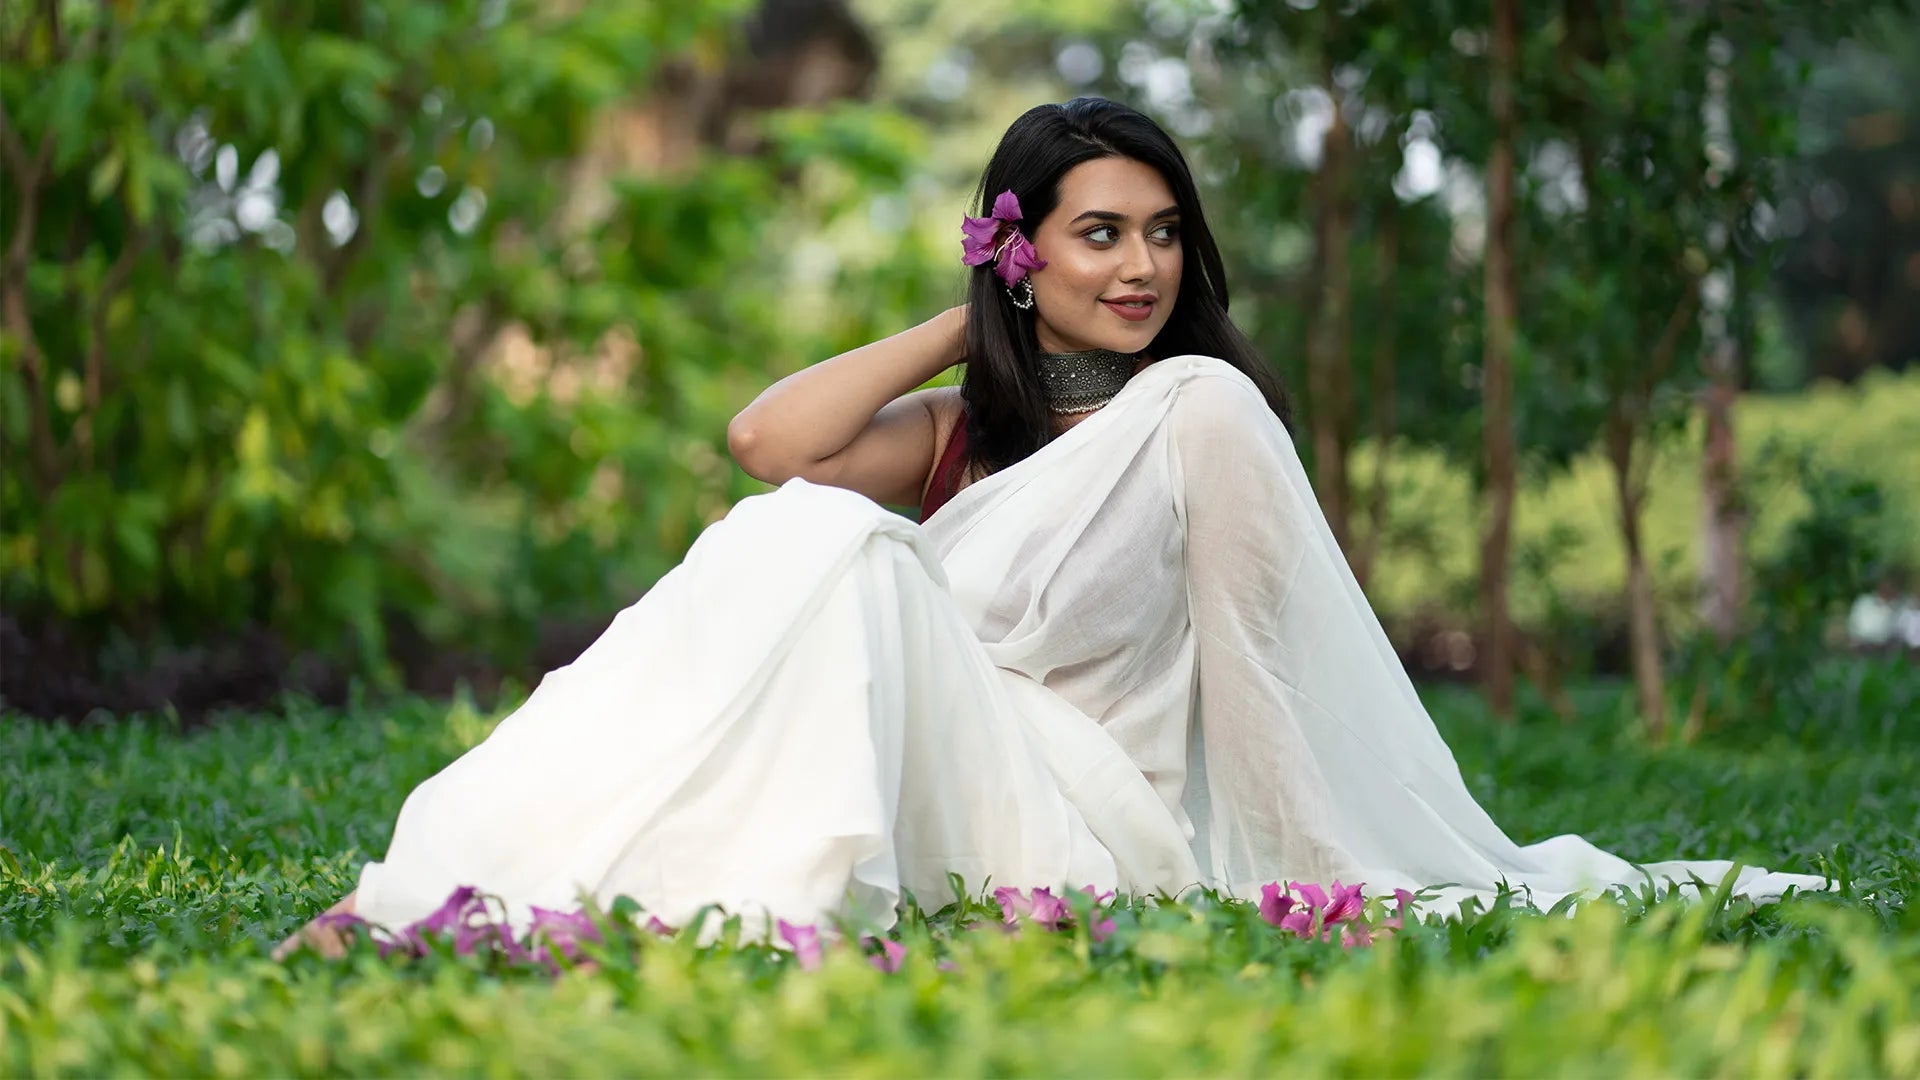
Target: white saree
<point x="1136" y="660"/>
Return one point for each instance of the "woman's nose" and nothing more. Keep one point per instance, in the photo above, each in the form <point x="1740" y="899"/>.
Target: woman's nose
<point x="1137" y="260"/>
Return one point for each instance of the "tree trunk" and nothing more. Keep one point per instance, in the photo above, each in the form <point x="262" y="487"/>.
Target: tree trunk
<point x="1643" y="630"/>
<point x="1723" y="524"/>
<point x="1329" y="374"/>
<point x="1497" y="374"/>
<point x="1723" y="516"/>
<point x="1385" y="356"/>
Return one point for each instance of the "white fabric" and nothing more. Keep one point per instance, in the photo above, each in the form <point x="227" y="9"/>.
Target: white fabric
<point x="1136" y="659"/>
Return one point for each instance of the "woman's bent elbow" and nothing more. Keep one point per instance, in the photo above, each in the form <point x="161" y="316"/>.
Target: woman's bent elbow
<point x="743" y="445"/>
<point x="747" y="450"/>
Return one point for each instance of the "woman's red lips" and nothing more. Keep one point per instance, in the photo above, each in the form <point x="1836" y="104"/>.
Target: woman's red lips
<point x="1132" y="309"/>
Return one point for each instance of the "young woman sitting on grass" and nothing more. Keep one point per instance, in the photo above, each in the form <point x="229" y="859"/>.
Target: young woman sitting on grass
<point x="1121" y="649"/>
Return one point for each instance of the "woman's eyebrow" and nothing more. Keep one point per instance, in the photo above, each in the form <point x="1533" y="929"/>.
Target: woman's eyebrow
<point x="1108" y="215"/>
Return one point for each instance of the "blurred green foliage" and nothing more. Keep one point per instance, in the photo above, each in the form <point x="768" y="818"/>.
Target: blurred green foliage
<point x="1869" y="431"/>
<point x="352" y="321"/>
<point x="310" y="328"/>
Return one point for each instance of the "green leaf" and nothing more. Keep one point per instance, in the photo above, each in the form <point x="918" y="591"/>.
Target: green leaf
<point x="106" y="174"/>
<point x="137" y="542"/>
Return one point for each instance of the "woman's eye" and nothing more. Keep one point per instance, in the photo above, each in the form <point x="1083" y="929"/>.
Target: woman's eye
<point x="1107" y="234"/>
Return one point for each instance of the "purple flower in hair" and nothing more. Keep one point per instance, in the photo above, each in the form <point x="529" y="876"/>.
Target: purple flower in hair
<point x="999" y="238"/>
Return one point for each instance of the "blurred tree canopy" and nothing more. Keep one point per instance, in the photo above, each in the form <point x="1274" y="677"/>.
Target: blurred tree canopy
<point x="341" y="318"/>
<point x="407" y="331"/>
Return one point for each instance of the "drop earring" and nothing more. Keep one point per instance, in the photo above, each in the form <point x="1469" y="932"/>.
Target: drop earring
<point x="1022" y="296"/>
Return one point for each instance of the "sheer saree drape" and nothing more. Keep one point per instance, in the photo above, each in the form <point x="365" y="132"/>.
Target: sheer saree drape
<point x="1136" y="659"/>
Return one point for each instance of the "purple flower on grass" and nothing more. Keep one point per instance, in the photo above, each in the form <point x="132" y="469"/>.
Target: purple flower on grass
<point x="1274" y="903"/>
<point x="463" y="917"/>
<point x="1346" y="905"/>
<point x="1102" y="929"/>
<point x="559" y="934"/>
<point x="468" y="922"/>
<point x="342" y="920"/>
<point x="1403" y="904"/>
<point x="805" y="941"/>
<point x="1013" y="904"/>
<point x="1316" y="913"/>
<point x="890" y="956"/>
<point x="1049" y="910"/>
<point x="459" y="909"/>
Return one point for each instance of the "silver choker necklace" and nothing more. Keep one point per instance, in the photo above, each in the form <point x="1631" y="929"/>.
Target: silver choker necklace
<point x="1077" y="382"/>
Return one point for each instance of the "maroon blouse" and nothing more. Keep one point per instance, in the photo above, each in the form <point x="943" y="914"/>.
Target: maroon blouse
<point x="946" y="475"/>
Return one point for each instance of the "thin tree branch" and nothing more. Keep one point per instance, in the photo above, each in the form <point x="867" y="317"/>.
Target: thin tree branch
<point x="110" y="286"/>
<point x="13" y="152"/>
<point x="16" y="314"/>
<point x="1669" y="344"/>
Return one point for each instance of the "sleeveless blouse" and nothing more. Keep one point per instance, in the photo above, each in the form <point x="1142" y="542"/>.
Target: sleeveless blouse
<point x="946" y="474"/>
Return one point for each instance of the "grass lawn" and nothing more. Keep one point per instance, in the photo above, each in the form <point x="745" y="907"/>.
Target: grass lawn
<point x="144" y="873"/>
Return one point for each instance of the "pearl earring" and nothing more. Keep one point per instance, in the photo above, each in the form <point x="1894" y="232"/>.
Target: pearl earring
<point x="1023" y="296"/>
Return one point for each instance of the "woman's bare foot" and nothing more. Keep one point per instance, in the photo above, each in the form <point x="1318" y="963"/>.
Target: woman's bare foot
<point x="319" y="934"/>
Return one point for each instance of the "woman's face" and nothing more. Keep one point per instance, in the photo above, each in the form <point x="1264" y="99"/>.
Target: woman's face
<point x="1112" y="247"/>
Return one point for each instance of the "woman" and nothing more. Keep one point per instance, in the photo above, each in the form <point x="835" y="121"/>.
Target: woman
<point x="1122" y="649"/>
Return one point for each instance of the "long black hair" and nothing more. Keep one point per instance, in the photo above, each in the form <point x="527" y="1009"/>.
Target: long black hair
<point x="1007" y="415"/>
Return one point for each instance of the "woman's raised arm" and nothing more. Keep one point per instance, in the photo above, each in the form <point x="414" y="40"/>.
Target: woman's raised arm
<point x="850" y="421"/>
